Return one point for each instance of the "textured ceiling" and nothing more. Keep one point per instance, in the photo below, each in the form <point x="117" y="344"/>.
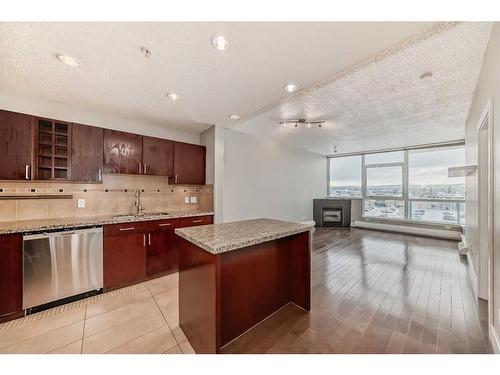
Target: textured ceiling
<point x="117" y="79"/>
<point x="382" y="102"/>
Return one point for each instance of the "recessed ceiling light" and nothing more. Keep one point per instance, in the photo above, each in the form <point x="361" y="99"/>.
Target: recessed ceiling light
<point x="173" y="96"/>
<point x="426" y="75"/>
<point x="290" y="87"/>
<point x="220" y="43"/>
<point x="69" y="60"/>
<point x="234" y="117"/>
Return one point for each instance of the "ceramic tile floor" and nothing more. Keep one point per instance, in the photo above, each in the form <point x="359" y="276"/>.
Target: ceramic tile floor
<point x="142" y="318"/>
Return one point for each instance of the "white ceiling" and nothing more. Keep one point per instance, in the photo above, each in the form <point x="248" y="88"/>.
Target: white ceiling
<point x="117" y="79"/>
<point x="382" y="103"/>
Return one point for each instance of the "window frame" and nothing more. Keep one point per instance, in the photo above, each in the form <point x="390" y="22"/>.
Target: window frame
<point x="405" y="198"/>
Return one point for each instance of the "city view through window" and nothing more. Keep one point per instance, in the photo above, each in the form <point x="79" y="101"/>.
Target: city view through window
<point x="431" y="195"/>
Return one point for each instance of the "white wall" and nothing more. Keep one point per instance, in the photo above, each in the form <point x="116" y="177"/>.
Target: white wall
<point x="488" y="88"/>
<point x="46" y="108"/>
<point x="213" y="140"/>
<point x="263" y="178"/>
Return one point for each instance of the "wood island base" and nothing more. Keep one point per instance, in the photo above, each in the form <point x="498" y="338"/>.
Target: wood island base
<point x="221" y="296"/>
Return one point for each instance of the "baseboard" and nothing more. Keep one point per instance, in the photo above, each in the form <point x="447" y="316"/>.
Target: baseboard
<point x="495" y="342"/>
<point x="427" y="232"/>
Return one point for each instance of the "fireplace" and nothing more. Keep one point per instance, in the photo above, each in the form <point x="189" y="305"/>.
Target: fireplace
<point x="328" y="212"/>
<point x="332" y="216"/>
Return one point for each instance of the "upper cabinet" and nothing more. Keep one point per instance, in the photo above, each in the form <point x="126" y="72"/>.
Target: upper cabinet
<point x="87" y="153"/>
<point x="52" y="150"/>
<point x="16" y="145"/>
<point x="35" y="148"/>
<point x="157" y="156"/>
<point x="189" y="164"/>
<point x="122" y="152"/>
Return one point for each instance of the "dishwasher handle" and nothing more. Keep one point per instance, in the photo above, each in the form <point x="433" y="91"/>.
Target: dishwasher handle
<point x="38" y="236"/>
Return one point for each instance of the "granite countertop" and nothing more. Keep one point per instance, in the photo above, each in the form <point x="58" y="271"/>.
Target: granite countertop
<point x="72" y="222"/>
<point x="219" y="238"/>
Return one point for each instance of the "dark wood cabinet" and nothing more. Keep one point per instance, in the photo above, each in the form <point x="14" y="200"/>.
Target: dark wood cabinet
<point x="87" y="153"/>
<point x="196" y="220"/>
<point x="136" y="251"/>
<point x="35" y="148"/>
<point x="16" y="145"/>
<point x="124" y="260"/>
<point x="122" y="152"/>
<point x="162" y="255"/>
<point x="52" y="149"/>
<point x="11" y="279"/>
<point x="189" y="164"/>
<point x="157" y="156"/>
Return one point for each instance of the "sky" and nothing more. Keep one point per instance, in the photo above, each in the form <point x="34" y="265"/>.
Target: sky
<point x="426" y="168"/>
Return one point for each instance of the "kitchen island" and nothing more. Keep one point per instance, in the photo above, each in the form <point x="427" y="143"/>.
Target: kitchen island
<point x="234" y="275"/>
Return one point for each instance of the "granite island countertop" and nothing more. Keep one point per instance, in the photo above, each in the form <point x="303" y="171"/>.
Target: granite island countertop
<point x="74" y="222"/>
<point x="219" y="238"/>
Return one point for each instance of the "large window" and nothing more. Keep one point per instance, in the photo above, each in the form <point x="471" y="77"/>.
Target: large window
<point x="404" y="185"/>
<point x="345" y="177"/>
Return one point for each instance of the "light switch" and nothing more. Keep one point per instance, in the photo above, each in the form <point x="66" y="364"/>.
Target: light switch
<point x="81" y="203"/>
<point x="186" y="199"/>
<point x="194" y="199"/>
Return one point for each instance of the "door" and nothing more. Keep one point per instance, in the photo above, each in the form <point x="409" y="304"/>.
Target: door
<point x="86" y="153"/>
<point x="189" y="164"/>
<point x="157" y="156"/>
<point x="162" y="254"/>
<point x="122" y="152"/>
<point x="16" y="146"/>
<point x="124" y="260"/>
<point x="11" y="279"/>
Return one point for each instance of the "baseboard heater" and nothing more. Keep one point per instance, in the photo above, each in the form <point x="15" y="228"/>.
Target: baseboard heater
<point x="428" y="232"/>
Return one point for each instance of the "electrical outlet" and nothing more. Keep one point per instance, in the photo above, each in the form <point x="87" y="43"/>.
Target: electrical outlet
<point x="186" y="199"/>
<point x="194" y="199"/>
<point x="81" y="203"/>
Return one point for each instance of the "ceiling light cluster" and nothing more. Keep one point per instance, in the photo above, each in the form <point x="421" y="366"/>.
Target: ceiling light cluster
<point x="302" y="123"/>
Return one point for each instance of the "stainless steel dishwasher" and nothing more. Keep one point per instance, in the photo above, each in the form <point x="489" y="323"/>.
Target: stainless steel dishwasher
<point x="61" y="264"/>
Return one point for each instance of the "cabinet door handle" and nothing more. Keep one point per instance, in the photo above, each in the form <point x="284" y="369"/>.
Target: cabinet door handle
<point x="164" y="224"/>
<point x="27" y="172"/>
<point x="140" y="168"/>
<point x="145" y="168"/>
<point x="149" y="239"/>
<point x="125" y="229"/>
<point x="197" y="221"/>
<point x="175" y="180"/>
<point x="100" y="175"/>
<point x="144" y="240"/>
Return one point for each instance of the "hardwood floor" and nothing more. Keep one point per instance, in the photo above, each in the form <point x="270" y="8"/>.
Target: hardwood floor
<point x="375" y="292"/>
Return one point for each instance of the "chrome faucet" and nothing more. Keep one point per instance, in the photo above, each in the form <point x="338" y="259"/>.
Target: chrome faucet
<point x="138" y="203"/>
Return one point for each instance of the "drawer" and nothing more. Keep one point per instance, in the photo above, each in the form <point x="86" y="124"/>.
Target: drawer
<point x="136" y="227"/>
<point x="124" y="229"/>
<point x="196" y="220"/>
<point x="162" y="225"/>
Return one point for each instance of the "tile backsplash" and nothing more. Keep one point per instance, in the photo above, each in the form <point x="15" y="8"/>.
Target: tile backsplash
<point x="114" y="196"/>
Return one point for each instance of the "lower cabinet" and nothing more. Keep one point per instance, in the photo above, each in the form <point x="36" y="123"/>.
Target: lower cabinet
<point x="162" y="255"/>
<point x="136" y="251"/>
<point x="11" y="275"/>
<point x="124" y="260"/>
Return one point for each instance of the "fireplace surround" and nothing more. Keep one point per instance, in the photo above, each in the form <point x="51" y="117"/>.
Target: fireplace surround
<point x="332" y="212"/>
